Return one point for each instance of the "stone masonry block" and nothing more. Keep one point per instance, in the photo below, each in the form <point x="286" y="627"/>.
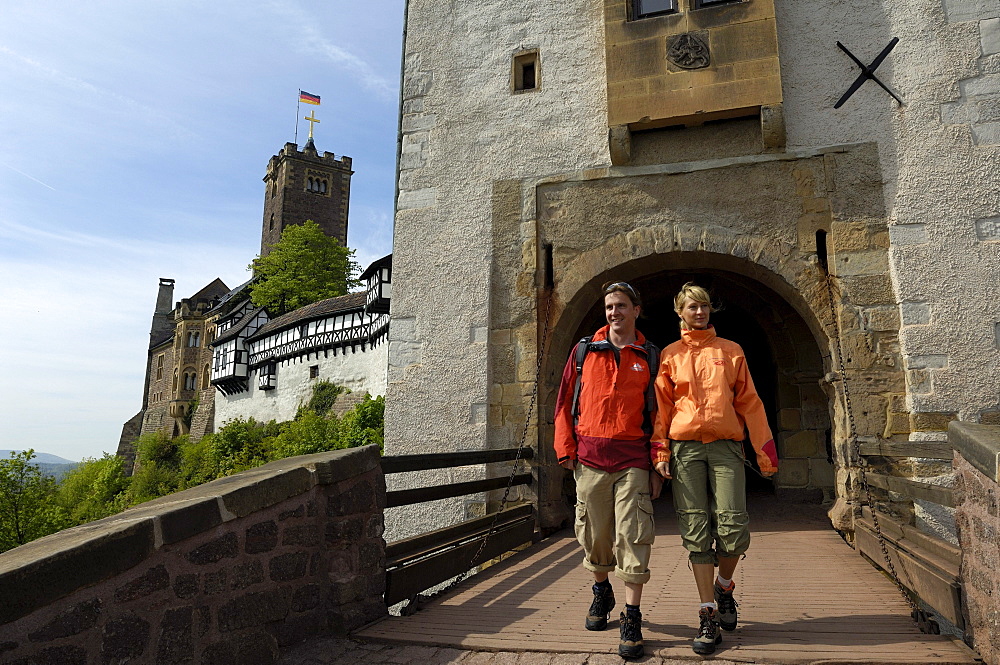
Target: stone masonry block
<point x="223" y="547"/>
<point x="989" y="35"/>
<point x="359" y="498"/>
<point x="930" y="422"/>
<point x="988" y="228"/>
<point x="189" y="520"/>
<point x="874" y="262"/>
<point x="908" y="234"/>
<point x="986" y="133"/>
<point x="254" y="609"/>
<point x="928" y="361"/>
<point x="286" y="567"/>
<point x="261" y="537"/>
<point x="788" y="419"/>
<point x="915" y="313"/>
<point x="247" y="573"/>
<point x="152" y="580"/>
<point x="869" y="289"/>
<point x="215" y="582"/>
<point x="958" y="11"/>
<point x="881" y="319"/>
<point x="174" y="645"/>
<point x="186" y="586"/>
<point x="305" y="534"/>
<point x="800" y="444"/>
<point x="65" y="655"/>
<point x="124" y="638"/>
<point x="73" y="621"/>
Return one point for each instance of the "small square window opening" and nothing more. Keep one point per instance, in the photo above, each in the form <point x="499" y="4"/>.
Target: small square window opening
<point x="701" y="4"/>
<point x="314" y="371"/>
<point x="650" y="8"/>
<point x="526" y="74"/>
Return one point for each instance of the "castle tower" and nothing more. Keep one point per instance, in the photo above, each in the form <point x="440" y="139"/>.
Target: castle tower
<point x="302" y="185"/>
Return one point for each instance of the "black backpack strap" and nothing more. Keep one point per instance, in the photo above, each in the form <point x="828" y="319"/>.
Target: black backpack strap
<point x="580" y="356"/>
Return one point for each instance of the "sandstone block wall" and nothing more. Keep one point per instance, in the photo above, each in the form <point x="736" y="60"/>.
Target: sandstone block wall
<point x="228" y="572"/>
<point x="977" y="457"/>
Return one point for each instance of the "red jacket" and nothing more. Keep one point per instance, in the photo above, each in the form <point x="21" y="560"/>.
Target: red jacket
<point x="608" y="434"/>
<point x="704" y="393"/>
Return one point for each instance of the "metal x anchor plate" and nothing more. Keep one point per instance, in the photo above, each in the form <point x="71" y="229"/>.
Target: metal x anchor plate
<point x="867" y="72"/>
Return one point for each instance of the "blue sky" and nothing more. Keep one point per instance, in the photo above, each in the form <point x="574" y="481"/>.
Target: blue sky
<point x="133" y="140"/>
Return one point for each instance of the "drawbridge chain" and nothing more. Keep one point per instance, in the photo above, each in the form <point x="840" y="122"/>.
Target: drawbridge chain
<point x="416" y="603"/>
<point x="922" y="618"/>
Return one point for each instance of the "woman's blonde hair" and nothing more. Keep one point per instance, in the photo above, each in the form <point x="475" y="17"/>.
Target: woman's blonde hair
<point x="695" y="293"/>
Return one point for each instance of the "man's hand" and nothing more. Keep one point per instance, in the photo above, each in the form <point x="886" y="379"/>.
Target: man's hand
<point x="568" y="464"/>
<point x="655" y="485"/>
<point x="663" y="468"/>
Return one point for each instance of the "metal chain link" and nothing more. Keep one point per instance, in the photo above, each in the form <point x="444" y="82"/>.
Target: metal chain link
<point x="415" y="603"/>
<point x="916" y="613"/>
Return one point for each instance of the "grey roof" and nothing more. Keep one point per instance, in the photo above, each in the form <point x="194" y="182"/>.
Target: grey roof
<point x="237" y="327"/>
<point x="317" y="310"/>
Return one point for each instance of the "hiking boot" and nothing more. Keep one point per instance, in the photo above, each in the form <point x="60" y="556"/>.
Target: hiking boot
<point x="708" y="634"/>
<point x="600" y="609"/>
<point x="631" y="642"/>
<point x="727" y="606"/>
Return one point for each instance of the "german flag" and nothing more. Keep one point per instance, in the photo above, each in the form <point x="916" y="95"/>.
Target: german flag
<point x="306" y="98"/>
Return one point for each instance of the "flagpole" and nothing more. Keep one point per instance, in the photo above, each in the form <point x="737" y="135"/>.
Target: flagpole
<point x="298" y="100"/>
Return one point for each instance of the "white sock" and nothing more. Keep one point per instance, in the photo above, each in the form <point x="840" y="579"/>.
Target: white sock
<point x="723" y="583"/>
<point x="712" y="605"/>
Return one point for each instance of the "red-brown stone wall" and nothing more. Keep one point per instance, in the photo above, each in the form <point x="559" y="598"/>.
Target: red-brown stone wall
<point x="228" y="572"/>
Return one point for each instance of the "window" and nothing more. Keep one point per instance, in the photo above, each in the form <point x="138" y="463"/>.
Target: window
<point x="205" y="377"/>
<point x="190" y="381"/>
<point x="648" y="8"/>
<point x="174" y="386"/>
<point x="159" y="367"/>
<point x="526" y="72"/>
<point x="314" y="371"/>
<point x="270" y="224"/>
<point x="701" y="4"/>
<point x="194" y="339"/>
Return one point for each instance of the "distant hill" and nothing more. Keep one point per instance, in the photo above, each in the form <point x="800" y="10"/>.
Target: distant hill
<point x="50" y="464"/>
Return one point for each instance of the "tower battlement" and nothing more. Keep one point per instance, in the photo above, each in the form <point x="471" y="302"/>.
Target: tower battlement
<point x="305" y="184"/>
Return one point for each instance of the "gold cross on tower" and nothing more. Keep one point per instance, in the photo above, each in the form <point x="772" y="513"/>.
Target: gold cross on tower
<point x="311" y="120"/>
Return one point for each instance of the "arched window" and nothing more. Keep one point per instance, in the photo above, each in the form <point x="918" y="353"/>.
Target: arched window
<point x="322" y="187"/>
<point x="174" y="387"/>
<point x="310" y="185"/>
<point x="205" y="377"/>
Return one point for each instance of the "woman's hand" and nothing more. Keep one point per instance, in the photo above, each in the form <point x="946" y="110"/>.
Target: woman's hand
<point x="663" y="468"/>
<point x="568" y="464"/>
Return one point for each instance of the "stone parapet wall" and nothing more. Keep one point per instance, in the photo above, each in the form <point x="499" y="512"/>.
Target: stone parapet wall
<point x="977" y="457"/>
<point x="227" y="572"/>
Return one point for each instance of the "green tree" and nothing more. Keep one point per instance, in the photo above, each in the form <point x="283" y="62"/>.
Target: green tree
<point x="26" y="508"/>
<point x="364" y="424"/>
<point x="93" y="489"/>
<point x="303" y="267"/>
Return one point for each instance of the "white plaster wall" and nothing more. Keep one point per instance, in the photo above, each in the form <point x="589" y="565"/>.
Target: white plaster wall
<point x="939" y="162"/>
<point x="463" y="130"/>
<point x="359" y="371"/>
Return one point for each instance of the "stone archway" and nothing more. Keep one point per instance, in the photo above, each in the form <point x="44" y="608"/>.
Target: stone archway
<point x="765" y="229"/>
<point x="782" y="350"/>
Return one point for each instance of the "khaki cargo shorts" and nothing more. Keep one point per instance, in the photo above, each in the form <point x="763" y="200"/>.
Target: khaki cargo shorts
<point x="614" y="521"/>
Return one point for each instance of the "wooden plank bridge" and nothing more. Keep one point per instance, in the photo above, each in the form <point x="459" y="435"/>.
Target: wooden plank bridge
<point x="805" y="597"/>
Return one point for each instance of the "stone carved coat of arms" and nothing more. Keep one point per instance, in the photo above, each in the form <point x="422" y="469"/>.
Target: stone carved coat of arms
<point x="688" y="51"/>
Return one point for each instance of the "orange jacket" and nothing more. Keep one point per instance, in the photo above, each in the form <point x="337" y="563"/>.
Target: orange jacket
<point x="704" y="393"/>
<point x="608" y="434"/>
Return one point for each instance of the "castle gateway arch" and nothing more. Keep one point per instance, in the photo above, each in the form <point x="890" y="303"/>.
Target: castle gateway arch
<point x="763" y="233"/>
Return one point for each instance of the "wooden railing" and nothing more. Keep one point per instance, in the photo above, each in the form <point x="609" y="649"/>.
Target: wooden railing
<point x="927" y="566"/>
<point x="421" y="562"/>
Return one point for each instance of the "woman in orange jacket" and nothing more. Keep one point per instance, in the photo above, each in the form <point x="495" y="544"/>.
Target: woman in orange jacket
<point x="705" y="399"/>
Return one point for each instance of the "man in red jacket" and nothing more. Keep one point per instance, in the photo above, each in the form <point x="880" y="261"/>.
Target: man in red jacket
<point x="604" y="440"/>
